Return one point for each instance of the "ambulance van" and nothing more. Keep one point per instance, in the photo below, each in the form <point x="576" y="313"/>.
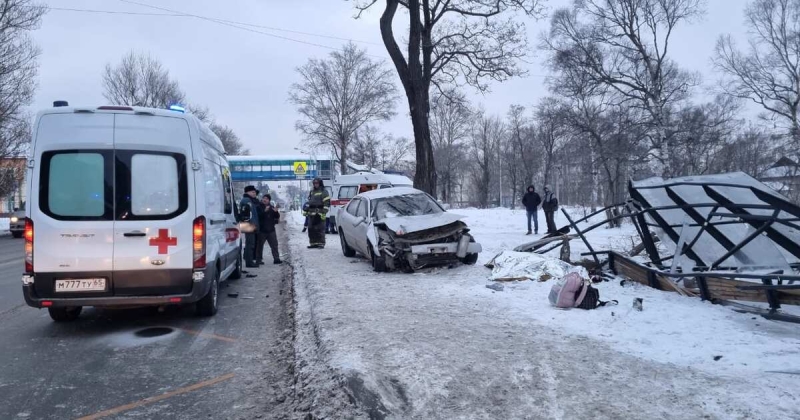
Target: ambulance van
<point x="127" y="206"/>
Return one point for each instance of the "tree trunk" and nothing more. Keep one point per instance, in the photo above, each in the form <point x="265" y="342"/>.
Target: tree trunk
<point x="425" y="174"/>
<point x="342" y="161"/>
<point x="416" y="85"/>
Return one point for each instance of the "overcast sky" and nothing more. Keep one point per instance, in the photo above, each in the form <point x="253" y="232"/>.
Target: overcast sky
<point x="244" y="76"/>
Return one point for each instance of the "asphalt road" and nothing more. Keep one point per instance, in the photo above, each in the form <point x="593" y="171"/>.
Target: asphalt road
<point x="11" y="268"/>
<point x="148" y="364"/>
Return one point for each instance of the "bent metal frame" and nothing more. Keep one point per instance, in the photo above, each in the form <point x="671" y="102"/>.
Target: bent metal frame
<point x="716" y="223"/>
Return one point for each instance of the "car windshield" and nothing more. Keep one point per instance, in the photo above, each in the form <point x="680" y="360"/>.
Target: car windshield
<point x="404" y="205"/>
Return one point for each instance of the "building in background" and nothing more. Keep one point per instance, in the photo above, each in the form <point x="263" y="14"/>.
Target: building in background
<point x="12" y="184"/>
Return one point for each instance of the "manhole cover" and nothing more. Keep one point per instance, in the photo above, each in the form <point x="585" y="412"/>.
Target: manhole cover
<point x="153" y="332"/>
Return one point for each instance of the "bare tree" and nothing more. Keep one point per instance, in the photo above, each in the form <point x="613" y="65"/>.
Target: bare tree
<point x="141" y="80"/>
<point x="522" y="144"/>
<point x="378" y="150"/>
<point x="202" y="113"/>
<point x="230" y="140"/>
<point x="769" y="72"/>
<point x="551" y="132"/>
<point x="448" y="41"/>
<point x="393" y="151"/>
<point x="450" y="122"/>
<point x="486" y="138"/>
<point x="624" y="44"/>
<point x="18" y="69"/>
<point x="365" y="145"/>
<point x="339" y="96"/>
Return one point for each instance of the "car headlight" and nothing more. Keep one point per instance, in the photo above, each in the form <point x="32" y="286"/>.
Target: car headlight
<point x="14" y="219"/>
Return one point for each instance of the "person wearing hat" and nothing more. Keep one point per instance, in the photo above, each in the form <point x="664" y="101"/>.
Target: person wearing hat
<point x="319" y="202"/>
<point x="550" y="205"/>
<point x="267" y="233"/>
<point x="248" y="208"/>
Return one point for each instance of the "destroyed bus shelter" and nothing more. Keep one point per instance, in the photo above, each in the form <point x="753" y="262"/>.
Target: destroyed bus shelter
<point x="727" y="237"/>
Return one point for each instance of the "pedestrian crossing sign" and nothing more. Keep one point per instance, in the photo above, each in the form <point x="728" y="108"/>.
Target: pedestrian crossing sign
<point x="300" y="168"/>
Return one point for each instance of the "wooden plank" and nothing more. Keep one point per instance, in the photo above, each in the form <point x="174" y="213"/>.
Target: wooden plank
<point x="726" y="289"/>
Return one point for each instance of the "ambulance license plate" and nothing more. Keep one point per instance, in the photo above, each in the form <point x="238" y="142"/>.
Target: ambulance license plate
<point x="80" y="285"/>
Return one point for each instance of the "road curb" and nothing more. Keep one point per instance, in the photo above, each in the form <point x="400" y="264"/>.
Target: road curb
<point x="324" y="390"/>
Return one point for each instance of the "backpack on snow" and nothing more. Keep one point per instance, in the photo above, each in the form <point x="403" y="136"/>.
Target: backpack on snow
<point x="568" y="291"/>
<point x="572" y="291"/>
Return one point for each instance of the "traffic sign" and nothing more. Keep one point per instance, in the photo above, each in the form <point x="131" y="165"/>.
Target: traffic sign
<point x="300" y="168"/>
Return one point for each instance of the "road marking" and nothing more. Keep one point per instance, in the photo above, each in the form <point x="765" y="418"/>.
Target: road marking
<point x="158" y="398"/>
<point x="202" y="334"/>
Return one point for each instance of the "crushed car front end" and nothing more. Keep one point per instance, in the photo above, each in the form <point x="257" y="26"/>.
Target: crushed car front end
<point x="434" y="246"/>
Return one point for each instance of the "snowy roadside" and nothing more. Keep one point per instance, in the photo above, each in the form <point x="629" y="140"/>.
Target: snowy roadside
<point x="439" y="344"/>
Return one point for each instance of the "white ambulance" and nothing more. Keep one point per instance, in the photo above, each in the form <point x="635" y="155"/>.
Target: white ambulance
<point x="127" y="206"/>
<point x="345" y="187"/>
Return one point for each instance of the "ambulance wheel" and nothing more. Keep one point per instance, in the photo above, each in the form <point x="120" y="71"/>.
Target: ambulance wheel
<point x="378" y="263"/>
<point x="237" y="272"/>
<point x="65" y="314"/>
<point x="207" y="306"/>
<point x="346" y="250"/>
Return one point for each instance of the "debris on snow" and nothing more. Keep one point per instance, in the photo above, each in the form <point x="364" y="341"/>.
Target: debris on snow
<point x="512" y="266"/>
<point x="495" y="286"/>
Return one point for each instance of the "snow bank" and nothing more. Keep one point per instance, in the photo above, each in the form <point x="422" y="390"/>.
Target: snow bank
<point x="438" y="344"/>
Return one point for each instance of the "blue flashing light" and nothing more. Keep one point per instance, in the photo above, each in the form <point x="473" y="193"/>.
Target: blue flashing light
<point x="177" y="108"/>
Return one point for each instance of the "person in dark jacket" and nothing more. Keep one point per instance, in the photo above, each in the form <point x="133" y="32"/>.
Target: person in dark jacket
<point x="248" y="210"/>
<point x="550" y="205"/>
<point x="305" y="213"/>
<point x="319" y="202"/>
<point x="267" y="233"/>
<point x="531" y="201"/>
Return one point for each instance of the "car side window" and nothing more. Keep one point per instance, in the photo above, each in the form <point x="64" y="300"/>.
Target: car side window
<point x="352" y="208"/>
<point x="362" y="209"/>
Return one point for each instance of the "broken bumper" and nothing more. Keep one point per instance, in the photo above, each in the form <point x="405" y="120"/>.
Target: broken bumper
<point x="446" y="248"/>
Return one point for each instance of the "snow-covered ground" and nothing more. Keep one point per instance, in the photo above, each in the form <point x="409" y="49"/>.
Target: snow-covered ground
<point x="438" y="344"/>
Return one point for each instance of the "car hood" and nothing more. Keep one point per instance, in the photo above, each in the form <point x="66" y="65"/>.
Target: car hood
<point x="409" y="224"/>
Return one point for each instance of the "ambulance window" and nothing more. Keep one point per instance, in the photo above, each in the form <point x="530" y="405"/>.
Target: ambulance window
<point x="77" y="185"/>
<point x="154" y="185"/>
<point x="227" y="192"/>
<point x="347" y="192"/>
<point x="151" y="185"/>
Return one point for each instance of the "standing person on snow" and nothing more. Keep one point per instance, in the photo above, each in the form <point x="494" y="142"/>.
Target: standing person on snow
<point x="550" y="205"/>
<point x="248" y="207"/>
<point x="531" y="201"/>
<point x="269" y="218"/>
<point x="319" y="203"/>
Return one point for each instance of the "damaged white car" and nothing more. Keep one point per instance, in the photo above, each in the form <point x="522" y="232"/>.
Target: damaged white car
<point x="404" y="228"/>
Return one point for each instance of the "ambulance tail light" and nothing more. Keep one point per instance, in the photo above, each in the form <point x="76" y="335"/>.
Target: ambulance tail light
<point x="28" y="246"/>
<point x="199" y="242"/>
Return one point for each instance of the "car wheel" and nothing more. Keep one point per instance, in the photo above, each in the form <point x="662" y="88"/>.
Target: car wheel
<point x="237" y="272"/>
<point x="470" y="259"/>
<point x="17" y="235"/>
<point x="378" y="262"/>
<point x="207" y="306"/>
<point x="346" y="250"/>
<point x="65" y="314"/>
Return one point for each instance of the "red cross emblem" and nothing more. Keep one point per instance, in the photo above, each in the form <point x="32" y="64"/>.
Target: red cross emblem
<point x="163" y="241"/>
